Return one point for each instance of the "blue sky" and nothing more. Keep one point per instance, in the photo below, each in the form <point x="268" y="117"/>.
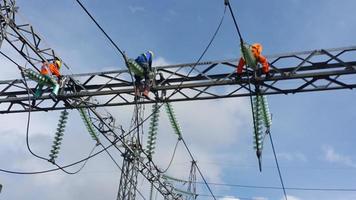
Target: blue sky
<point x="313" y="132"/>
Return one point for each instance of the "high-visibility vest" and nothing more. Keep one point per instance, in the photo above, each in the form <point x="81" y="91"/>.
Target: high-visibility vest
<point x="50" y="69"/>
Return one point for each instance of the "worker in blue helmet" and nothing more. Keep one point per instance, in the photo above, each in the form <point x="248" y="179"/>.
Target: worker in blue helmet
<point x="145" y="62"/>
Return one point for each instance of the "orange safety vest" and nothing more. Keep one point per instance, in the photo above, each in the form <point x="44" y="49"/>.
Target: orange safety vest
<point x="50" y="69"/>
<point x="256" y="51"/>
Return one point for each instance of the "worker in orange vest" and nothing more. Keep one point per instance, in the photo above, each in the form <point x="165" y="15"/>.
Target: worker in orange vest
<point x="256" y="50"/>
<point x="51" y="72"/>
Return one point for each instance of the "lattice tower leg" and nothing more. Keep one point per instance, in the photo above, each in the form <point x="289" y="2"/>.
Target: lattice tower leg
<point x="192" y="185"/>
<point x="128" y="180"/>
<point x="7" y="12"/>
<point x="129" y="173"/>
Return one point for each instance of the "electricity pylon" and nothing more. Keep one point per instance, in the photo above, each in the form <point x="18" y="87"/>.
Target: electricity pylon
<point x="317" y="70"/>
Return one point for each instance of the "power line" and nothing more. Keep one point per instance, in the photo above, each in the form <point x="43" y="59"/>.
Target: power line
<point x="172" y="157"/>
<point x="27" y="137"/>
<point x="201" y="174"/>
<point x="55" y="169"/>
<point x="199" y="59"/>
<point x="279" y="188"/>
<point x="227" y="2"/>
<point x="222" y="196"/>
<point x="118" y="166"/>
<point x="279" y="170"/>
<point x="274" y="153"/>
<point x="102" y="30"/>
<point x="125" y="58"/>
<point x="28" y="129"/>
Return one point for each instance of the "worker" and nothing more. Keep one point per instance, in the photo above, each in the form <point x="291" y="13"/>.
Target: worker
<point x="145" y="62"/>
<point x="256" y="50"/>
<point x="51" y="72"/>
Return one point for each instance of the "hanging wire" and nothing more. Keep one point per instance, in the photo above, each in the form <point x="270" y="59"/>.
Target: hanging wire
<point x="118" y="166"/>
<point x="200" y="173"/>
<point x="117" y="48"/>
<point x="102" y="30"/>
<point x="27" y="136"/>
<point x="227" y="2"/>
<point x="249" y="83"/>
<point x="29" y="118"/>
<point x="58" y="168"/>
<point x="278" y="168"/>
<point x="202" y="55"/>
<point x="126" y="63"/>
<point x="52" y="161"/>
<point x="205" y="50"/>
<point x="172" y="158"/>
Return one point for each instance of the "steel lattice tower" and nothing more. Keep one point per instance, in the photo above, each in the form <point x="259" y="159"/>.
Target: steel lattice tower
<point x="192" y="181"/>
<point x="317" y="70"/>
<point x="128" y="180"/>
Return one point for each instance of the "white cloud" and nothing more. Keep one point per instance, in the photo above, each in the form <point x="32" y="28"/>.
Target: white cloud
<point x="160" y="61"/>
<point x="208" y="126"/>
<point x="204" y="133"/>
<point x="332" y="156"/>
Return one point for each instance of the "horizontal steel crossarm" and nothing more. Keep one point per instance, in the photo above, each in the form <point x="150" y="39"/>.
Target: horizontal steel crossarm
<point x="318" y="70"/>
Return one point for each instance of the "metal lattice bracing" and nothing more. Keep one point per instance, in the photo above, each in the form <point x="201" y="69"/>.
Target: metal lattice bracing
<point x="22" y="36"/>
<point x="32" y="49"/>
<point x="130" y="163"/>
<point x="295" y="72"/>
<point x="316" y="70"/>
<point x="135" y="160"/>
<point x="192" y="187"/>
<point x="8" y="9"/>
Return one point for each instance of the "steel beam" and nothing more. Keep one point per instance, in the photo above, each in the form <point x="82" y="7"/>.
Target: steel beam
<point x="318" y="70"/>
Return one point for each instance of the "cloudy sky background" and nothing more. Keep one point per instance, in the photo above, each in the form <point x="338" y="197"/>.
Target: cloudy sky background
<point x="313" y="132"/>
